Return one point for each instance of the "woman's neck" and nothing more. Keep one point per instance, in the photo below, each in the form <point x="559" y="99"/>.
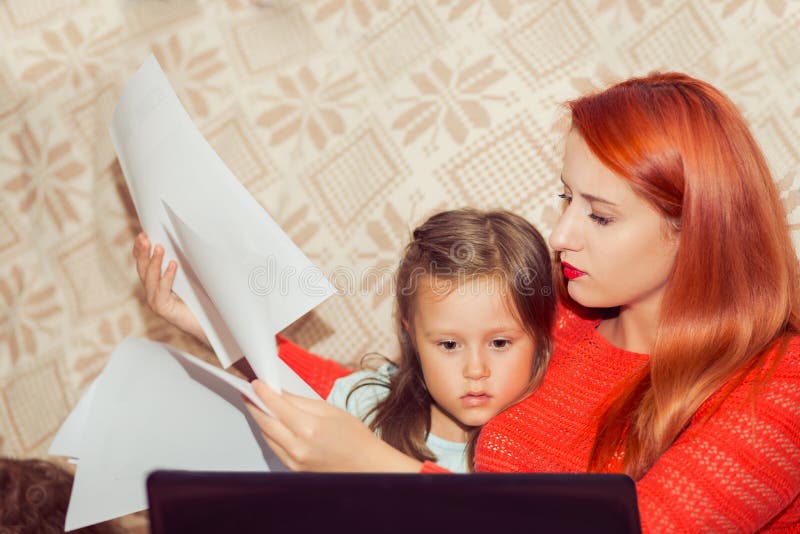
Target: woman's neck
<point x="633" y="329"/>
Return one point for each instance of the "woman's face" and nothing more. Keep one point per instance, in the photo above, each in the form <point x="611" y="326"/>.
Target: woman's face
<point x="616" y="250"/>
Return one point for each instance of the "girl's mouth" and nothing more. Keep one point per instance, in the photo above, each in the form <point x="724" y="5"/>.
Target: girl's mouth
<point x="472" y="400"/>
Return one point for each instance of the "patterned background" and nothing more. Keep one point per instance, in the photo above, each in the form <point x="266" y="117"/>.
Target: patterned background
<point x="349" y="120"/>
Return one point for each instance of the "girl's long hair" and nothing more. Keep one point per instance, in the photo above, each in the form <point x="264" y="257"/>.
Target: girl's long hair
<point x="733" y="293"/>
<point x="458" y="246"/>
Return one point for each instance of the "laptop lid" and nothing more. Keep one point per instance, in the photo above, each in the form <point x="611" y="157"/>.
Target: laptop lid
<point x="190" y="501"/>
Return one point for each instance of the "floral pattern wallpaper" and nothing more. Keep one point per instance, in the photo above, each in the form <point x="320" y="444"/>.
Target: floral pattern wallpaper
<point x="349" y="120"/>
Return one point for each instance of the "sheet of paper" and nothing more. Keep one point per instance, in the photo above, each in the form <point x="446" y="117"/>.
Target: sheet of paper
<point x="70" y="436"/>
<point x="156" y="407"/>
<point x="242" y="386"/>
<point x="223" y="269"/>
<point x="166" y="159"/>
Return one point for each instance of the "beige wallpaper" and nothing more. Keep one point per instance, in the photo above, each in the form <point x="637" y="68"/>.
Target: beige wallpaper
<point x="349" y="120"/>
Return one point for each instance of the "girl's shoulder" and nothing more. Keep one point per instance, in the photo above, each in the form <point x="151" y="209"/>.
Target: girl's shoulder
<point x="359" y="392"/>
<point x="383" y="373"/>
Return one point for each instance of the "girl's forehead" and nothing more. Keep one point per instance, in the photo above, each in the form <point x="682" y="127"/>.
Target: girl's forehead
<point x="488" y="296"/>
<point x="441" y="286"/>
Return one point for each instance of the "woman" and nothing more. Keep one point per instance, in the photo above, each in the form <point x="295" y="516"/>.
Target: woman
<point x="677" y="359"/>
<point x="676" y="354"/>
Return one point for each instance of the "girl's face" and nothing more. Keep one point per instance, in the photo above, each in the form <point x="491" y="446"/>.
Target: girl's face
<point x="476" y="357"/>
<point x="615" y="248"/>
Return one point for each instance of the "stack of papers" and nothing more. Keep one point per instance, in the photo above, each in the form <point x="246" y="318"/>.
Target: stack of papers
<point x="153" y="406"/>
<point x="231" y="252"/>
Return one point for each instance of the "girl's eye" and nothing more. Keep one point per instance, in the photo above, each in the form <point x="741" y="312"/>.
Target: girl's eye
<point x="448" y="345"/>
<point x="602" y="221"/>
<point x="565" y="197"/>
<point x="500" y="343"/>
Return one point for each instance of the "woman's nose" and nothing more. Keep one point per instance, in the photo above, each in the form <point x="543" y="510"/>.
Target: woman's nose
<point x="566" y="234"/>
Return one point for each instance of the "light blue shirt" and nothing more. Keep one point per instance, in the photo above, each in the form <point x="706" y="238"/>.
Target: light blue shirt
<point x="449" y="454"/>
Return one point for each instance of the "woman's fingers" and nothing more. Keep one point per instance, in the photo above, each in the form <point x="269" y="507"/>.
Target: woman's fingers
<point x="312" y="435"/>
<point x="281" y="453"/>
<point x="288" y="411"/>
<point x="141" y="251"/>
<point x="165" y="284"/>
<point x="153" y="275"/>
<point x="311" y="406"/>
<point x="281" y="408"/>
<point x="278" y="437"/>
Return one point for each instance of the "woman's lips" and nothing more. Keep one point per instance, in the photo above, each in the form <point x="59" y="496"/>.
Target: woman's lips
<point x="472" y="400"/>
<point x="571" y="272"/>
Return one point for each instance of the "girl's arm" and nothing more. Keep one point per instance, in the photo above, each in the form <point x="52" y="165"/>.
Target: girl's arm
<point x="317" y="372"/>
<point x="738" y="470"/>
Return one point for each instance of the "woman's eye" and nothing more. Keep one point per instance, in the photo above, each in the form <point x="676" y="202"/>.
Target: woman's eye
<point x="448" y="345"/>
<point x="602" y="221"/>
<point x="565" y="197"/>
<point x="500" y="343"/>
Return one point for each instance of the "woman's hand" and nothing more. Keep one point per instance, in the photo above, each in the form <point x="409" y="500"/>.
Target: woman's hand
<point x="158" y="289"/>
<point x="312" y="435"/>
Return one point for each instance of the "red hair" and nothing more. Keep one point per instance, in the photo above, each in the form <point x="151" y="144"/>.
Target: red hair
<point x="733" y="294"/>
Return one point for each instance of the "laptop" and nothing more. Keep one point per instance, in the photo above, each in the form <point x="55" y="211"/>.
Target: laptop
<point x="192" y="501"/>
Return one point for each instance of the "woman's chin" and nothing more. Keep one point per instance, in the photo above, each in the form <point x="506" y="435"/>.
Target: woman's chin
<point x="587" y="298"/>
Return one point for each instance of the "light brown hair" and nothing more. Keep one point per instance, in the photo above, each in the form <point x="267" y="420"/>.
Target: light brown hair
<point x="34" y="495"/>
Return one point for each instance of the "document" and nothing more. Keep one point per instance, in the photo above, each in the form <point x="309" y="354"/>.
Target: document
<point x="259" y="281"/>
<point x="155" y="407"/>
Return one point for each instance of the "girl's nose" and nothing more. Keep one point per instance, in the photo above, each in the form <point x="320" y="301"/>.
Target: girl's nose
<point x="476" y="366"/>
<point x="566" y="234"/>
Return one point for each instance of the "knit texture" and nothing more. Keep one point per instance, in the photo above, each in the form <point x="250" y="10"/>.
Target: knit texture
<point x="739" y="471"/>
<point x="318" y="373"/>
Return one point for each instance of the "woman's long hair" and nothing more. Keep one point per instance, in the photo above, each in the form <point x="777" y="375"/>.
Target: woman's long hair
<point x="456" y="247"/>
<point x="733" y="293"/>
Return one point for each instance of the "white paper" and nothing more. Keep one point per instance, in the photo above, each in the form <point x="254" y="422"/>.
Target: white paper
<point x="223" y="269"/>
<point x="70" y="436"/>
<point x="242" y="386"/>
<point x="166" y="159"/>
<point x="158" y="408"/>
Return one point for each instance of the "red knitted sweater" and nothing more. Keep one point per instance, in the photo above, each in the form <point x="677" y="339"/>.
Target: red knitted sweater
<point x="737" y="472"/>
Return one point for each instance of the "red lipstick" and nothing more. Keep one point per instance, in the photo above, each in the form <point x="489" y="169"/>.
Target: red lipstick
<point x="571" y="272"/>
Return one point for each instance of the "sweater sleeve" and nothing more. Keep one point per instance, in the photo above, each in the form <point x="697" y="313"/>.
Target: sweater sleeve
<point x="738" y="469"/>
<point x="430" y="468"/>
<point x="315" y="371"/>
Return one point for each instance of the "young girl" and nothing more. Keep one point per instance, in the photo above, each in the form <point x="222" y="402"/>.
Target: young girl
<point x="677" y="354"/>
<point x="474" y="310"/>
